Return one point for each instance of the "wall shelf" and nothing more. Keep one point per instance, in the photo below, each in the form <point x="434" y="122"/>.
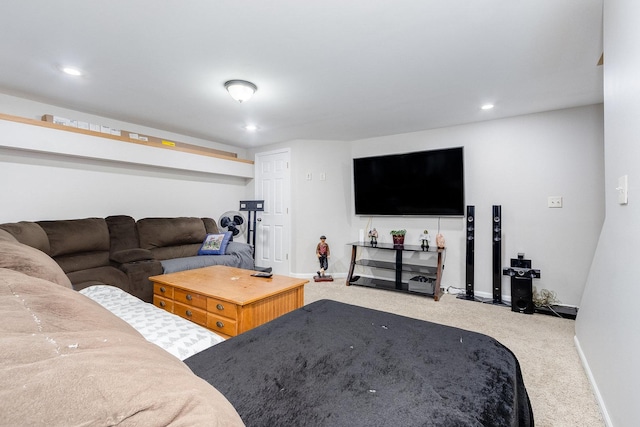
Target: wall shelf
<point x="45" y="137"/>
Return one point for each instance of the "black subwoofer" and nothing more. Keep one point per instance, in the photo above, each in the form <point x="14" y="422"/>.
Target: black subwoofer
<point x="522" y="295"/>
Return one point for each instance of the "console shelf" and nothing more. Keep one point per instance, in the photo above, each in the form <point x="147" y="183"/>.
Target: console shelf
<point x="428" y="268"/>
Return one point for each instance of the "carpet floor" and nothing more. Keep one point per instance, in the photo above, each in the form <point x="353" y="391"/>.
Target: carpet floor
<point x="556" y="382"/>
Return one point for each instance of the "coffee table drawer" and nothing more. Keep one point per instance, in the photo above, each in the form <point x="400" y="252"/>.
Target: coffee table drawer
<point x="190" y="313"/>
<point x="163" y="290"/>
<point x="163" y="303"/>
<point x="222" y="324"/>
<point x="222" y="308"/>
<point x="190" y="298"/>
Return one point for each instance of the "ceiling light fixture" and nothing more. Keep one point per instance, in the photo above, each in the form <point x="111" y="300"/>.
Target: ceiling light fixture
<point x="251" y="128"/>
<point x="240" y="90"/>
<point x="71" y="71"/>
<point x="487" y="106"/>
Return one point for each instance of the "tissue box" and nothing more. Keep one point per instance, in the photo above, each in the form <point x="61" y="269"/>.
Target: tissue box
<point x="422" y="284"/>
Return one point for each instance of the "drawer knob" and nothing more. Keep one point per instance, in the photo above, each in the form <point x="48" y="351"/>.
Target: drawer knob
<point x="162" y="304"/>
<point x="220" y="307"/>
<point x="163" y="290"/>
<point x="189" y="297"/>
<point x="219" y="324"/>
<point x="188" y="313"/>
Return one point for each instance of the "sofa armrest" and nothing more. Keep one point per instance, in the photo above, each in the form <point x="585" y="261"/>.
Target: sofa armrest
<point x="139" y="272"/>
<point x="131" y="255"/>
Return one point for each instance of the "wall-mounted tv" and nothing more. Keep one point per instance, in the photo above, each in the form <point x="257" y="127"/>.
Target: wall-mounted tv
<point x="428" y="183"/>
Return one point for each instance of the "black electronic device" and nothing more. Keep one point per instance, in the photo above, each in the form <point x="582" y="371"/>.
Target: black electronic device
<point x="263" y="274"/>
<point x="522" y="276"/>
<point x="471" y="226"/>
<point x="428" y="183"/>
<point x="522" y="295"/>
<point x="496" y="225"/>
<point x="252" y="205"/>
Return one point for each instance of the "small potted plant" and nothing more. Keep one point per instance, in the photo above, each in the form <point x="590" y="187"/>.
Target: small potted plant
<point x="398" y="236"/>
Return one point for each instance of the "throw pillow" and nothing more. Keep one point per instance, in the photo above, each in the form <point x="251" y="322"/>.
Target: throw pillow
<point x="215" y="244"/>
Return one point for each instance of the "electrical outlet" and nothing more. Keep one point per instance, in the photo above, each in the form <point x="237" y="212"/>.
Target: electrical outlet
<point x="554" y="201"/>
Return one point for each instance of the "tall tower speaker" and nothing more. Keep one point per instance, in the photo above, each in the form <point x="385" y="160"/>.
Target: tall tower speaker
<point x="471" y="226"/>
<point x="496" y="225"/>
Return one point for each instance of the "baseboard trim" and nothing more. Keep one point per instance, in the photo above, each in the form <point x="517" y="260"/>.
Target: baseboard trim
<point x="594" y="386"/>
<point x="311" y="275"/>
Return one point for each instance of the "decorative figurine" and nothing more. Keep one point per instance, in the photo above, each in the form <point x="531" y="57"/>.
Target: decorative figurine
<point x="425" y="238"/>
<point x="373" y="236"/>
<point x="323" y="253"/>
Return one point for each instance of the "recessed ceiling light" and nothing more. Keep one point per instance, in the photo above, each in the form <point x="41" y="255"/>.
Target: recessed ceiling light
<point x="487" y="106"/>
<point x="71" y="71"/>
<point x="251" y="128"/>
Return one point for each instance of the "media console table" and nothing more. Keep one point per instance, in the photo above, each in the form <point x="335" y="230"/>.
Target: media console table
<point x="432" y="271"/>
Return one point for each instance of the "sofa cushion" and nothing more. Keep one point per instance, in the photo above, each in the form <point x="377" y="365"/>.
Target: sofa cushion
<point x="76" y="235"/>
<point x="122" y="232"/>
<point x="106" y="275"/>
<point x="210" y="225"/>
<point x="161" y="232"/>
<point x="68" y="361"/>
<point x="28" y="233"/>
<point x="32" y="262"/>
<point x="82" y="261"/>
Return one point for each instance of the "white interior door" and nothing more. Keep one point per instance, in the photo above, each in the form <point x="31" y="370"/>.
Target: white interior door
<point x="272" y="184"/>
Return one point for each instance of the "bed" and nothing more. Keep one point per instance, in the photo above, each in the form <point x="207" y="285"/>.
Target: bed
<point x="335" y="364"/>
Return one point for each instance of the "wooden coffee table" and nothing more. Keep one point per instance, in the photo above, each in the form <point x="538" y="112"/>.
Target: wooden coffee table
<point x="227" y="300"/>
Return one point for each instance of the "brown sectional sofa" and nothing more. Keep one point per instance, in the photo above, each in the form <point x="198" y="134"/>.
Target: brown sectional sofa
<point x="123" y="252"/>
<point x="66" y="360"/>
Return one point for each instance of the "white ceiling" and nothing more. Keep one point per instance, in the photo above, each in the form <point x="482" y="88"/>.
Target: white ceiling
<point x="325" y="70"/>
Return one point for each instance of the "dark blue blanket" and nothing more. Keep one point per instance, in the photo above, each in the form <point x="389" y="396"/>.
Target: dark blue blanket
<point x="334" y="364"/>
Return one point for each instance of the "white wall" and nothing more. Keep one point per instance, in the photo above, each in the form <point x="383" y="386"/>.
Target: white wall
<point x="516" y="163"/>
<point x="608" y="325"/>
<point x="41" y="186"/>
<point x="319" y="206"/>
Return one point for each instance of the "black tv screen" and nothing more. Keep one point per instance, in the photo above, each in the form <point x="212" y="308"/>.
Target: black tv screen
<point x="429" y="183"/>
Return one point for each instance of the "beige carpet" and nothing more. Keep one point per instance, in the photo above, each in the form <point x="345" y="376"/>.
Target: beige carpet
<point x="553" y="374"/>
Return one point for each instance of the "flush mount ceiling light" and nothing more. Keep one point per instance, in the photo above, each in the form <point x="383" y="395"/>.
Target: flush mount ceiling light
<point x="251" y="128"/>
<point x="487" y="106"/>
<point x="240" y="90"/>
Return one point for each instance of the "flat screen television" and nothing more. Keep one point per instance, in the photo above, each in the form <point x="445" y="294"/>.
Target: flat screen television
<point x="427" y="183"/>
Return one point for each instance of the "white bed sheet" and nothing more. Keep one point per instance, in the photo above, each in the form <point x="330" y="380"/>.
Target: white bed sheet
<point x="176" y="335"/>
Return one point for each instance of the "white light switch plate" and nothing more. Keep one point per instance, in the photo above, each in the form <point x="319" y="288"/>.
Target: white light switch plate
<point x="623" y="190"/>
